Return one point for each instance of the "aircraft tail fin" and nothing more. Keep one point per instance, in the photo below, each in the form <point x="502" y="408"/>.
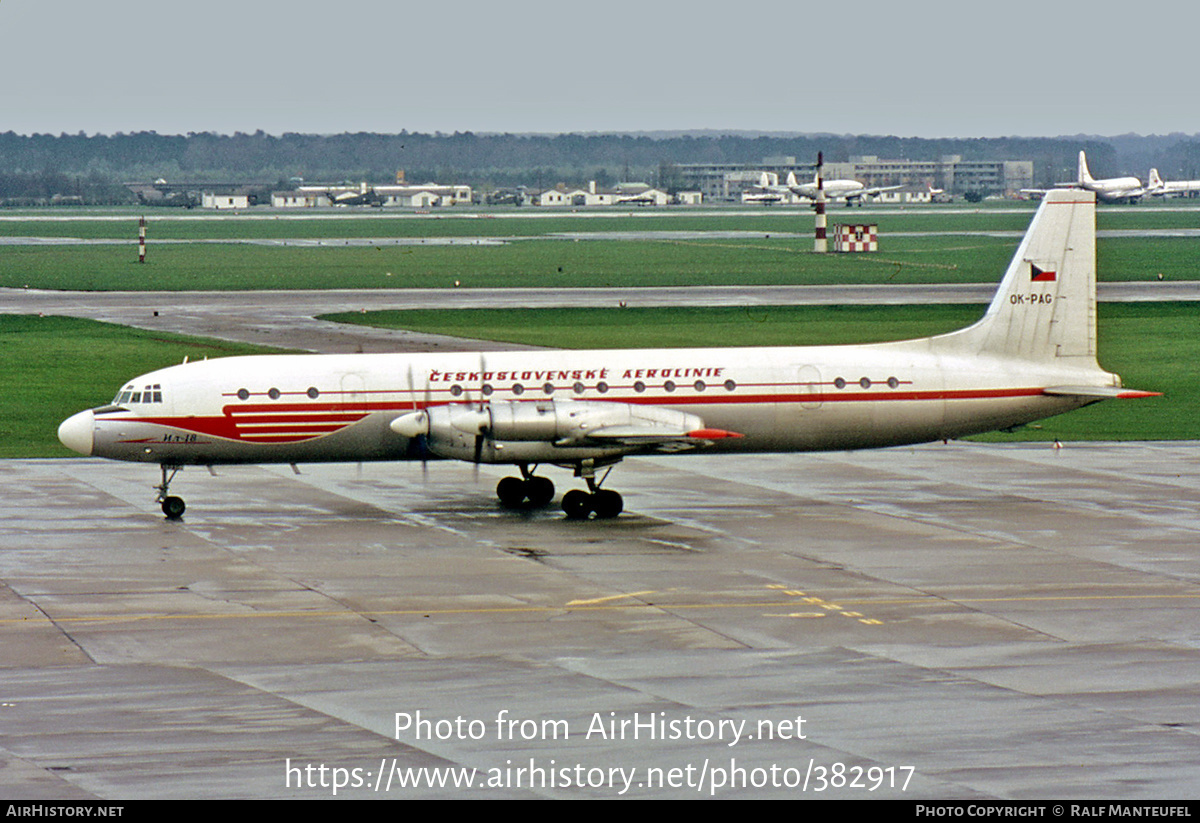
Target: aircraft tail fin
<point x="1045" y="308"/>
<point x="791" y="179"/>
<point x="1155" y="181"/>
<point x="1085" y="176"/>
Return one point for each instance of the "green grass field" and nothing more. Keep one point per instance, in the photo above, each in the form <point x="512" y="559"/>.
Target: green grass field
<point x="557" y="264"/>
<point x="533" y="222"/>
<point x="535" y="254"/>
<point x="52" y="367"/>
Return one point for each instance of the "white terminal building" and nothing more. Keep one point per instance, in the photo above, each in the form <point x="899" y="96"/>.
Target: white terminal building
<point x="623" y="194"/>
<point x="727" y="182"/>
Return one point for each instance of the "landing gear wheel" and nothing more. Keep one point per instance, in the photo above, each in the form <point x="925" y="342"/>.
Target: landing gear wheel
<point x="577" y="504"/>
<point x="511" y="491"/>
<point x="173" y="507"/>
<point x="533" y="492"/>
<point x="607" y="504"/>
<point x="540" y="491"/>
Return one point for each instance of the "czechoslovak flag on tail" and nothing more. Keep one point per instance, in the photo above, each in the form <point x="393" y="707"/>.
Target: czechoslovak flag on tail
<point x="1040" y="275"/>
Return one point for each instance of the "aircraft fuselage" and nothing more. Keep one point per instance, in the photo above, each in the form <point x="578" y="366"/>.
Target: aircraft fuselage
<point x="304" y="408"/>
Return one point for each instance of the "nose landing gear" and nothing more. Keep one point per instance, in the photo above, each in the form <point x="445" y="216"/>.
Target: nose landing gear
<point x="172" y="507"/>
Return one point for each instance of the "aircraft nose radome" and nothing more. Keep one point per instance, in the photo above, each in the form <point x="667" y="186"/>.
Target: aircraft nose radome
<point x="76" y="432"/>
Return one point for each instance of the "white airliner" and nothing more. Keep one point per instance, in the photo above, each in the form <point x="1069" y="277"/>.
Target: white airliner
<point x="850" y="191"/>
<point x="1112" y="188"/>
<point x="1032" y="355"/>
<point x="1170" y="188"/>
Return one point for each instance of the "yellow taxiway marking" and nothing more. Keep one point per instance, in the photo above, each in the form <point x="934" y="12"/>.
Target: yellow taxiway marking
<point x="598" y="600"/>
<point x="830" y="608"/>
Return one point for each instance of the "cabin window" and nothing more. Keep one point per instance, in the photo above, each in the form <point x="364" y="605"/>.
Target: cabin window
<point x="577" y="388"/>
<point x="730" y="385"/>
<point x="639" y="387"/>
<point x="548" y="388"/>
<point x="602" y="387"/>
<point x="487" y="390"/>
<point x="669" y="385"/>
<point x="243" y="394"/>
<point x="893" y="382"/>
<point x="456" y="390"/>
<point x="699" y="385"/>
<point x="839" y="383"/>
<point x="312" y="393"/>
<point x="518" y="388"/>
<point x="273" y="393"/>
<point x="865" y="382"/>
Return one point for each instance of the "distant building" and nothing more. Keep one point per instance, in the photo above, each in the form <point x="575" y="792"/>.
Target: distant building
<point x="208" y="200"/>
<point x="298" y="199"/>
<point x="638" y="194"/>
<point x="729" y="182"/>
<point x="422" y="196"/>
<point x="951" y="172"/>
<point x="905" y="195"/>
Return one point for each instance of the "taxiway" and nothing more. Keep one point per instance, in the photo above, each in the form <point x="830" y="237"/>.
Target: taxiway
<point x="991" y="621"/>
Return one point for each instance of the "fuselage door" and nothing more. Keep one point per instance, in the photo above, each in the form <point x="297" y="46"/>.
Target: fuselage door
<point x="354" y="392"/>
<point x="808" y="382"/>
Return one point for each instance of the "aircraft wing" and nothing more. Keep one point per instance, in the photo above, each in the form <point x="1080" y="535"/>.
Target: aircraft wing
<point x="548" y="428"/>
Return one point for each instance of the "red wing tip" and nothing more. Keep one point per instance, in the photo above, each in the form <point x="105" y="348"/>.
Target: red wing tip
<point x="712" y="434"/>
<point x="1129" y="395"/>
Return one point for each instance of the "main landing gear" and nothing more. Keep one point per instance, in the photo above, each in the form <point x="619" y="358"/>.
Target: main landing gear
<point x="530" y="491"/>
<point x="605" y="503"/>
<point x="172" y="507"/>
<point x="525" y="492"/>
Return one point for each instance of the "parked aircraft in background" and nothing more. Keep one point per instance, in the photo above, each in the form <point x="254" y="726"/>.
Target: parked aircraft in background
<point x="851" y="191"/>
<point x="1112" y="188"/>
<point x="362" y="195"/>
<point x="1032" y="355"/>
<point x="938" y="195"/>
<point x="1170" y="188"/>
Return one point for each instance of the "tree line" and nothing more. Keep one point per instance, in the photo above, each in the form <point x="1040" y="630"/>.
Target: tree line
<point x="92" y="168"/>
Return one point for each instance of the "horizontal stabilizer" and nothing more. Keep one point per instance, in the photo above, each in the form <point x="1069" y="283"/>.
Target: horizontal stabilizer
<point x="1100" y="392"/>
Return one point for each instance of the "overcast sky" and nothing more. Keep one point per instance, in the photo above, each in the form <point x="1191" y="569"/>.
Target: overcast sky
<point x="924" y="68"/>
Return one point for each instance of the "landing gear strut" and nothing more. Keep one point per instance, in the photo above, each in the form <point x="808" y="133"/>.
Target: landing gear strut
<point x="604" y="503"/>
<point x="525" y="492"/>
<point x="172" y="507"/>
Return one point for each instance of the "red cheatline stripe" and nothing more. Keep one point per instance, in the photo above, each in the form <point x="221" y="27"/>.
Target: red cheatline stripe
<point x="287" y="430"/>
<point x="252" y="419"/>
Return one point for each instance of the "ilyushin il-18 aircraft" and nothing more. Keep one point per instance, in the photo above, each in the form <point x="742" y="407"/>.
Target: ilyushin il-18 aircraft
<point x="1032" y="355"/>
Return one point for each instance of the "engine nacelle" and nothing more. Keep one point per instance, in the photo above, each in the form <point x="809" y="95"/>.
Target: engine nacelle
<point x="544" y="430"/>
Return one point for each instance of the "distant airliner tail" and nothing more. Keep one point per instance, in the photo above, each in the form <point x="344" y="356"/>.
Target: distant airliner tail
<point x="1085" y="176"/>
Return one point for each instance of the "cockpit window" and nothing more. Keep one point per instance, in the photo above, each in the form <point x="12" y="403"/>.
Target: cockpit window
<point x="131" y="394"/>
